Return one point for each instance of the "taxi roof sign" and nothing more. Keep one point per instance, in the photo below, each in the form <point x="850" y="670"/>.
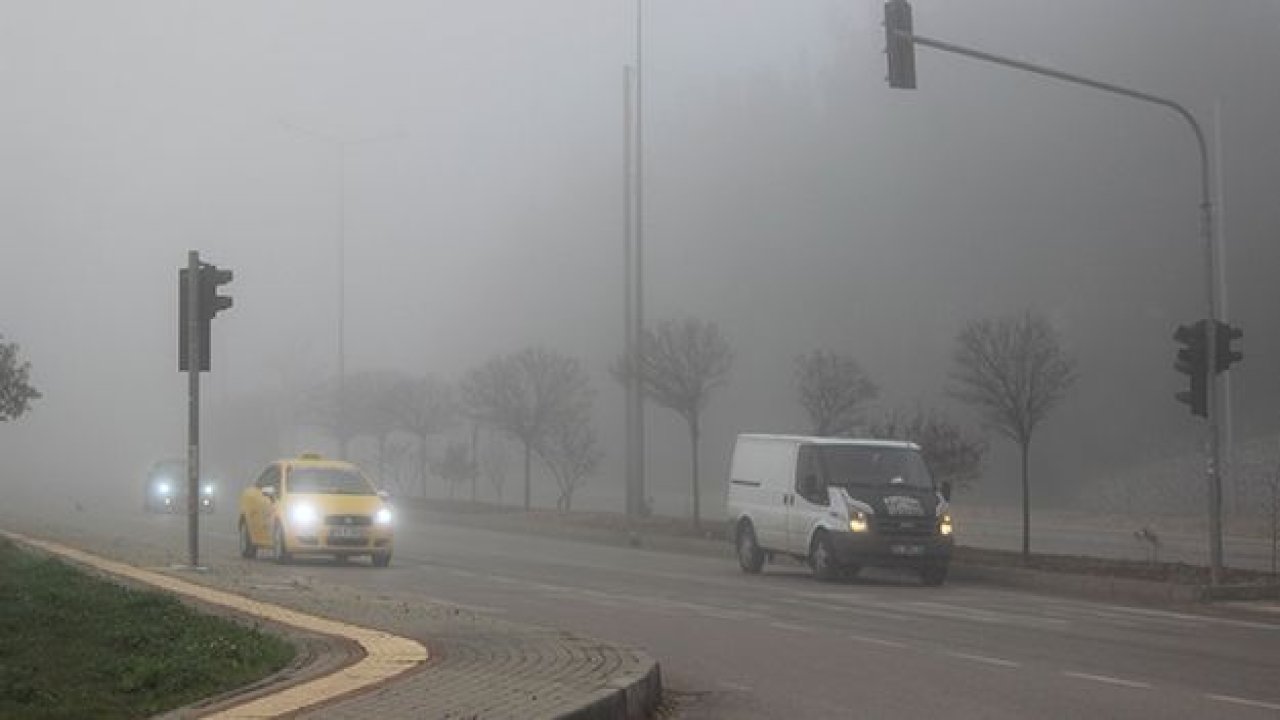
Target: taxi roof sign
<point x="310" y="456"/>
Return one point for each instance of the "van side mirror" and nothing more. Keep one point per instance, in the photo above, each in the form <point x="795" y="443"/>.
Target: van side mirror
<point x="384" y="495"/>
<point x="944" y="489"/>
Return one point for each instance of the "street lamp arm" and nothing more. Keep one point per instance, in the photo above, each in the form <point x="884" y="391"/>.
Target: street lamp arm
<point x="1080" y="80"/>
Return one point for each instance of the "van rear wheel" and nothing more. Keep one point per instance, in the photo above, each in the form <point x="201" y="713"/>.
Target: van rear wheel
<point x="933" y="575"/>
<point x="750" y="556"/>
<point x="822" y="559"/>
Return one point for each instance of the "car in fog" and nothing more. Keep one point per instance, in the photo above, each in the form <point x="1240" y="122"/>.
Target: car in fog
<point x="837" y="505"/>
<point x="310" y="505"/>
<point x="165" y="490"/>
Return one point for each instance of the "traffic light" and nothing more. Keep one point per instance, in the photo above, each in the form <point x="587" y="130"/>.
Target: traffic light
<point x="1193" y="360"/>
<point x="209" y="304"/>
<point x="1223" y="354"/>
<point x="899" y="46"/>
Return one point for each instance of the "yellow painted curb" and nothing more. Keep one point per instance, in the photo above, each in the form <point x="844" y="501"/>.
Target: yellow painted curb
<point x="386" y="655"/>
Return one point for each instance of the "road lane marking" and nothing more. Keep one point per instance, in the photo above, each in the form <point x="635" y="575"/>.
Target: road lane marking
<point x="1243" y="701"/>
<point x="1108" y="680"/>
<point x="1198" y="620"/>
<point x="789" y="626"/>
<point x="983" y="659"/>
<point x="877" y="641"/>
<point x="735" y="686"/>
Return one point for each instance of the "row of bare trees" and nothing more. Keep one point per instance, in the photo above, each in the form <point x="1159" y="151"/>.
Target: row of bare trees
<point x="1012" y="370"/>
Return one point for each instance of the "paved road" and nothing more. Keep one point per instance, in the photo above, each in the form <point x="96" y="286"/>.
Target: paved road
<point x="781" y="646"/>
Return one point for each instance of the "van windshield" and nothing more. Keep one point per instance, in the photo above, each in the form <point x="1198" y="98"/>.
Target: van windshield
<point x="870" y="465"/>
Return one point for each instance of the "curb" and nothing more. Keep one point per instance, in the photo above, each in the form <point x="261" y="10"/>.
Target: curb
<point x="384" y="656"/>
<point x="634" y="696"/>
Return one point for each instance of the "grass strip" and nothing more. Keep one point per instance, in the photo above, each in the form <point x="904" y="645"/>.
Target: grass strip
<point x="76" y="646"/>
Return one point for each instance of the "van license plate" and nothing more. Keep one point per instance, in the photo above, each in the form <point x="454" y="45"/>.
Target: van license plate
<point x="906" y="549"/>
<point x="348" y="533"/>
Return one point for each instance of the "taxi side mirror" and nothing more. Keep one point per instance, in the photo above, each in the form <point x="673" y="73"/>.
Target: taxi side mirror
<point x="270" y="492"/>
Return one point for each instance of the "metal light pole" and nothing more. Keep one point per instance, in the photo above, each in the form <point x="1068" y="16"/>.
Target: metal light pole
<point x="341" y="144"/>
<point x="897" y="9"/>
<point x="633" y="269"/>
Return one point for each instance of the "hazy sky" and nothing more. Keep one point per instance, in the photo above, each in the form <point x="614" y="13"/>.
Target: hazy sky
<point x="790" y="196"/>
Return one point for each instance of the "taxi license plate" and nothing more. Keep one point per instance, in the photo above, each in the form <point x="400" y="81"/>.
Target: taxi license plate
<point x="906" y="549"/>
<point x="347" y="533"/>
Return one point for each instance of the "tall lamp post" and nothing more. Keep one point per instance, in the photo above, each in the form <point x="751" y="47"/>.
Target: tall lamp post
<point x="633" y="269"/>
<point x="900" y="42"/>
<point x="341" y="144"/>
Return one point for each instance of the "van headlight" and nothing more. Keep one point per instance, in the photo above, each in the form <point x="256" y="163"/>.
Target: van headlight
<point x="208" y="489"/>
<point x="162" y="487"/>
<point x="945" y="527"/>
<point x="383" y="516"/>
<point x="303" y="515"/>
<point x="858" y="522"/>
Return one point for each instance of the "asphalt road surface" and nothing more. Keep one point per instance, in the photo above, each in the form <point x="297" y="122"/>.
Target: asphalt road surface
<point x="781" y="645"/>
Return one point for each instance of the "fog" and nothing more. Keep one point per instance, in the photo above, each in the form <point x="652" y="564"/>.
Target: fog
<point x="790" y="196"/>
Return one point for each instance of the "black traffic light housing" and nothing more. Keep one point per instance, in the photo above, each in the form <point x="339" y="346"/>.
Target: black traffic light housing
<point x="1223" y="354"/>
<point x="1193" y="361"/>
<point x="899" y="45"/>
<point x="209" y="304"/>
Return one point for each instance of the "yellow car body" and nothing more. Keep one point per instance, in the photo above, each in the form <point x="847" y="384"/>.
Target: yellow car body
<point x="309" y="505"/>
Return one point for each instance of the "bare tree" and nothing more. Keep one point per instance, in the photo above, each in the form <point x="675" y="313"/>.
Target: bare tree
<point x="456" y="466"/>
<point x="493" y="461"/>
<point x="372" y="400"/>
<point x="16" y="392"/>
<point x="832" y="389"/>
<point x="525" y="395"/>
<point x="679" y="363"/>
<point x="572" y="454"/>
<point x="423" y="407"/>
<point x="1013" y="370"/>
<point x="951" y="455"/>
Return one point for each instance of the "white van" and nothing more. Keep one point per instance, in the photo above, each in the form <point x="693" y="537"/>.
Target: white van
<point x="837" y="504"/>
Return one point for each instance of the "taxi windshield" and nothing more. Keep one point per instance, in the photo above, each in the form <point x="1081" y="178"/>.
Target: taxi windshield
<point x="328" y="481"/>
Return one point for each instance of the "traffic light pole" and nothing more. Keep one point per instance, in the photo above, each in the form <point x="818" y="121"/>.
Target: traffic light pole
<point x="193" y="407"/>
<point x="1212" y="462"/>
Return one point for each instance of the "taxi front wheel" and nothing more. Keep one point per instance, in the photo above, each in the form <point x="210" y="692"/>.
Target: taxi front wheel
<point x="248" y="550"/>
<point x="279" y="545"/>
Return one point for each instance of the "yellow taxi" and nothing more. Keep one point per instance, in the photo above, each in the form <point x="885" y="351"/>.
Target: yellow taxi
<point x="310" y="505"/>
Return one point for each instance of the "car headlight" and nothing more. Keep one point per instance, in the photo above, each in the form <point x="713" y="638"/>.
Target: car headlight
<point x="163" y="487"/>
<point x="858" y="522"/>
<point x="945" y="527"/>
<point x="208" y="489"/>
<point x="303" y="515"/>
<point x="383" y="516"/>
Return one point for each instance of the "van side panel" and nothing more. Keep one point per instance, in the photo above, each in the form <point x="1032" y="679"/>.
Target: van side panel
<point x="760" y="480"/>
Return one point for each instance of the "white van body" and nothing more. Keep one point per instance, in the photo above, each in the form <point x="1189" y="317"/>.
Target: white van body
<point x="837" y="504"/>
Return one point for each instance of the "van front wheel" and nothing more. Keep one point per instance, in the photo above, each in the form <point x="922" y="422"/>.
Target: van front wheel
<point x="822" y="559"/>
<point x="750" y="556"/>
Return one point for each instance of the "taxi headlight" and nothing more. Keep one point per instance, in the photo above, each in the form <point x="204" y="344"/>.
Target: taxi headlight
<point x="945" y="527"/>
<point x="858" y="522"/>
<point x="383" y="516"/>
<point x="303" y="515"/>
